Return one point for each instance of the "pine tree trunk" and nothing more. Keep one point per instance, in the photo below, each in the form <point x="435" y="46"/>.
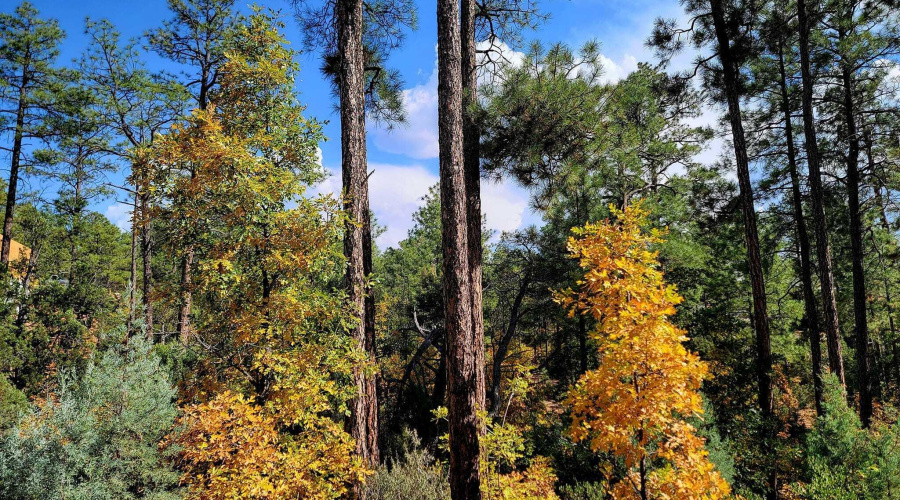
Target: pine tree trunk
<point x="472" y="167"/>
<point x="823" y="249"/>
<point x="146" y="256"/>
<point x="363" y="421"/>
<point x="754" y="264"/>
<point x="856" y="250"/>
<point x="465" y="480"/>
<point x="886" y="227"/>
<point x="132" y="293"/>
<point x="803" y="245"/>
<point x="14" y="171"/>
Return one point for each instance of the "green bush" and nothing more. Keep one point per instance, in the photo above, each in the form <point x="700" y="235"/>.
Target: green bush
<point x="12" y="403"/>
<point x="97" y="437"/>
<point x="583" y="491"/>
<point x="847" y="462"/>
<point x="413" y="475"/>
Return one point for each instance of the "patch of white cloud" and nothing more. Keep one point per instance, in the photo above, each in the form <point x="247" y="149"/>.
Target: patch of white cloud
<point x="396" y="192"/>
<point x="120" y="215"/>
<point x="418" y="137"/>
<point x="614" y="71"/>
<point x="504" y="205"/>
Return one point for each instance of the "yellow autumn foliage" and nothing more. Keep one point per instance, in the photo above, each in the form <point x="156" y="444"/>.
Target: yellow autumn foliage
<point x="233" y="448"/>
<point x="265" y="403"/>
<point x="635" y="404"/>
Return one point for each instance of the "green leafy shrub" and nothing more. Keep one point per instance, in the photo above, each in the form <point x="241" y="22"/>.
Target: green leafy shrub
<point x="583" y="491"/>
<point x="846" y="461"/>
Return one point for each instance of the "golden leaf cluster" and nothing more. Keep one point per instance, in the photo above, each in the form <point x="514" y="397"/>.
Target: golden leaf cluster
<point x="634" y="405"/>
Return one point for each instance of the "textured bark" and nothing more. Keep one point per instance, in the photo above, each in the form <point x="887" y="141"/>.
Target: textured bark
<point x="811" y="315"/>
<point x="132" y="293"/>
<point x="146" y="256"/>
<point x="363" y="421"/>
<point x="754" y="264"/>
<point x="751" y="236"/>
<point x="472" y="168"/>
<point x="464" y="425"/>
<point x="14" y="170"/>
<point x="856" y="252"/>
<point x="823" y="248"/>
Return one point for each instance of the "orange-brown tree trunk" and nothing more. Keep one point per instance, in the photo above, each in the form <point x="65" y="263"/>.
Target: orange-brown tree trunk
<point x="472" y="168"/>
<point x="363" y="421"/>
<point x="463" y="380"/>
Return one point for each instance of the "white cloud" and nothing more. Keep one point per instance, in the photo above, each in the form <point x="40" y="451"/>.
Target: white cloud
<point x="120" y="215"/>
<point x="503" y="204"/>
<point x="418" y="137"/>
<point x="613" y="71"/>
<point x="397" y="191"/>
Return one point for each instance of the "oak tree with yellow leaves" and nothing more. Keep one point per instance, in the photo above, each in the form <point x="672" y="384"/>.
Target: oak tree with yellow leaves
<point x="265" y="402"/>
<point x="635" y="404"/>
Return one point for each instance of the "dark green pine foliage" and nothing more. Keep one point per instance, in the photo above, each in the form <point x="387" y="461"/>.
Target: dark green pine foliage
<point x="30" y="83"/>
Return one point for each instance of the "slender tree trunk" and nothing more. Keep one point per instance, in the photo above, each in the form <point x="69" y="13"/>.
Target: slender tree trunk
<point x="465" y="480"/>
<point x="886" y="227"/>
<point x="503" y="346"/>
<point x="823" y="248"/>
<point x="14" y="171"/>
<point x="184" y="308"/>
<point x="369" y="324"/>
<point x="132" y="293"/>
<point x="363" y="421"/>
<point x="582" y="344"/>
<point x="183" y="327"/>
<point x="146" y="256"/>
<point x="754" y="264"/>
<point x="472" y="168"/>
<point x="803" y="245"/>
<point x="76" y="228"/>
<point x="856" y="250"/>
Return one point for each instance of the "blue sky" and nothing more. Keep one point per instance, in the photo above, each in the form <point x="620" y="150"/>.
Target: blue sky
<point x="404" y="160"/>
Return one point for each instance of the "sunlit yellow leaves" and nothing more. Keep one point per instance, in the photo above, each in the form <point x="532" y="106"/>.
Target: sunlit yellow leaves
<point x="502" y="446"/>
<point x="232" y="448"/>
<point x="635" y="403"/>
<point x="265" y="404"/>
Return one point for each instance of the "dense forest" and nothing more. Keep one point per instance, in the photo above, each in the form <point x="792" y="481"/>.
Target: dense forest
<point x="679" y="325"/>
